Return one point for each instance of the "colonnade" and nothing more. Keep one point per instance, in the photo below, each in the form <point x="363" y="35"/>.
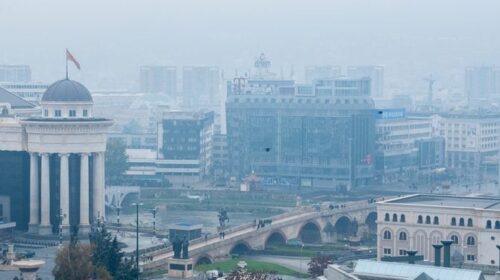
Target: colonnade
<point x="40" y="196"/>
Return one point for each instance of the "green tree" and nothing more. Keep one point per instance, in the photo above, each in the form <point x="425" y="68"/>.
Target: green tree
<point x="73" y="262"/>
<point x="116" y="160"/>
<point x="107" y="254"/>
<point x="318" y="264"/>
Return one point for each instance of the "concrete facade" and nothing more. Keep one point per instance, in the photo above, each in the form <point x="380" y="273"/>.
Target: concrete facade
<point x="417" y="222"/>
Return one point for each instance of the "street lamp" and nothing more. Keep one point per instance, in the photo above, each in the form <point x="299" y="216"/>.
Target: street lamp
<point x="61" y="218"/>
<point x="137" y="237"/>
<point x="154" y="220"/>
<point x="118" y="217"/>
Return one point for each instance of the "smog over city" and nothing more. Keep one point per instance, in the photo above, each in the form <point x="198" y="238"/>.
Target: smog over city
<point x="218" y="139"/>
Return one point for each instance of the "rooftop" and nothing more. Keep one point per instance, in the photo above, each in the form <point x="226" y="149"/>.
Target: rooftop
<point x="391" y="270"/>
<point x="67" y="91"/>
<point x="447" y="201"/>
<point x="15" y="101"/>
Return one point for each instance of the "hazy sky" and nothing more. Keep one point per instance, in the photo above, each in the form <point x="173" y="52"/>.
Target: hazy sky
<point x="111" y="38"/>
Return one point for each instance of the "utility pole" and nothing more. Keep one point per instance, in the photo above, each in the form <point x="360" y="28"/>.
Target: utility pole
<point x="137" y="237"/>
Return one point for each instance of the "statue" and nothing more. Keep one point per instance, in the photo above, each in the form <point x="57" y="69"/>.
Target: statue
<point x="185" y="248"/>
<point x="177" y="247"/>
<point x="223" y="218"/>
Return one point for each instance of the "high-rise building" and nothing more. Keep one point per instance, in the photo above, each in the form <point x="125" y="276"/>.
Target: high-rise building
<point x="471" y="139"/>
<point x="301" y="135"/>
<point x="184" y="152"/>
<point x="375" y="73"/>
<point x="396" y="147"/>
<point x="15" y="73"/>
<point x="315" y="72"/>
<point x="482" y="82"/>
<point x="200" y="87"/>
<point x="158" y="79"/>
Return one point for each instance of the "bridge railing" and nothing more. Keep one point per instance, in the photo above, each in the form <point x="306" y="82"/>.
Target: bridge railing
<point x="350" y="206"/>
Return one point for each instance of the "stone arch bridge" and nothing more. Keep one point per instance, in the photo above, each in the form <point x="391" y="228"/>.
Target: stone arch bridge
<point x="308" y="225"/>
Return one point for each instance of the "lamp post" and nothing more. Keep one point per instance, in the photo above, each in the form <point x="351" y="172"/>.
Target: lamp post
<point x="137" y="237"/>
<point x="154" y="220"/>
<point x="118" y="217"/>
<point x="61" y="218"/>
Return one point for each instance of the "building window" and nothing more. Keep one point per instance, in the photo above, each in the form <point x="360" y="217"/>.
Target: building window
<point x="57" y="113"/>
<point x="420" y="219"/>
<point x="471" y="241"/>
<point x="497" y="225"/>
<point x="387" y="217"/>
<point x="402" y="252"/>
<point x="469" y="222"/>
<point x="428" y="220"/>
<point x="436" y="220"/>
<point x="454" y="238"/>
<point x="45" y="113"/>
<point x="387" y="251"/>
<point x="387" y="235"/>
<point x="72" y="113"/>
<point x="453" y="221"/>
<point x="394" y="217"/>
<point x="488" y="224"/>
<point x="471" y="258"/>
<point x="462" y="222"/>
<point x="402" y="236"/>
<point x="403" y="218"/>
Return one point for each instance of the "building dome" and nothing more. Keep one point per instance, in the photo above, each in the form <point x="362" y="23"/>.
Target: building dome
<point x="67" y="91"/>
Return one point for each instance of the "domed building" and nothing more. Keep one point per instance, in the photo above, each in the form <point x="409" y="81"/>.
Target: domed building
<point x="63" y="151"/>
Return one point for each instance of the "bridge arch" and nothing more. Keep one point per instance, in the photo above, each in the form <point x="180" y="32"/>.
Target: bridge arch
<point x="240" y="248"/>
<point x="204" y="259"/>
<point x="343" y="227"/>
<point x="371" y="222"/>
<point x="310" y="232"/>
<point x="276" y="237"/>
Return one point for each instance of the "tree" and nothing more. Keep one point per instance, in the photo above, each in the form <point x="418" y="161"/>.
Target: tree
<point x="107" y="254"/>
<point x="116" y="159"/>
<point x="318" y="264"/>
<point x="73" y="262"/>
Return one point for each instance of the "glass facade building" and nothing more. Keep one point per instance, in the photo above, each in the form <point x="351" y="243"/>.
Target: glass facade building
<point x="291" y="135"/>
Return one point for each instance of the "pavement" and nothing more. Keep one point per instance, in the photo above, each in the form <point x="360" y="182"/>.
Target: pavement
<point x="47" y="255"/>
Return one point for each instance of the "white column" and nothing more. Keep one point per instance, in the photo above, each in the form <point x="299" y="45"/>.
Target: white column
<point x="98" y="196"/>
<point x="45" y="196"/>
<point x="84" y="190"/>
<point x="64" y="189"/>
<point x="34" y="193"/>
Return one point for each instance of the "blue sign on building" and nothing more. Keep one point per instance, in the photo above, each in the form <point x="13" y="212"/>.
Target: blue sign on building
<point x="390" y="114"/>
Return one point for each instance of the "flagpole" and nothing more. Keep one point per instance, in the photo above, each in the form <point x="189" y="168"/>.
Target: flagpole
<point x="66" y="66"/>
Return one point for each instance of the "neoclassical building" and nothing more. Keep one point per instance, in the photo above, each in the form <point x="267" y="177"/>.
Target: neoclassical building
<point x="58" y="156"/>
<point x="416" y="222"/>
